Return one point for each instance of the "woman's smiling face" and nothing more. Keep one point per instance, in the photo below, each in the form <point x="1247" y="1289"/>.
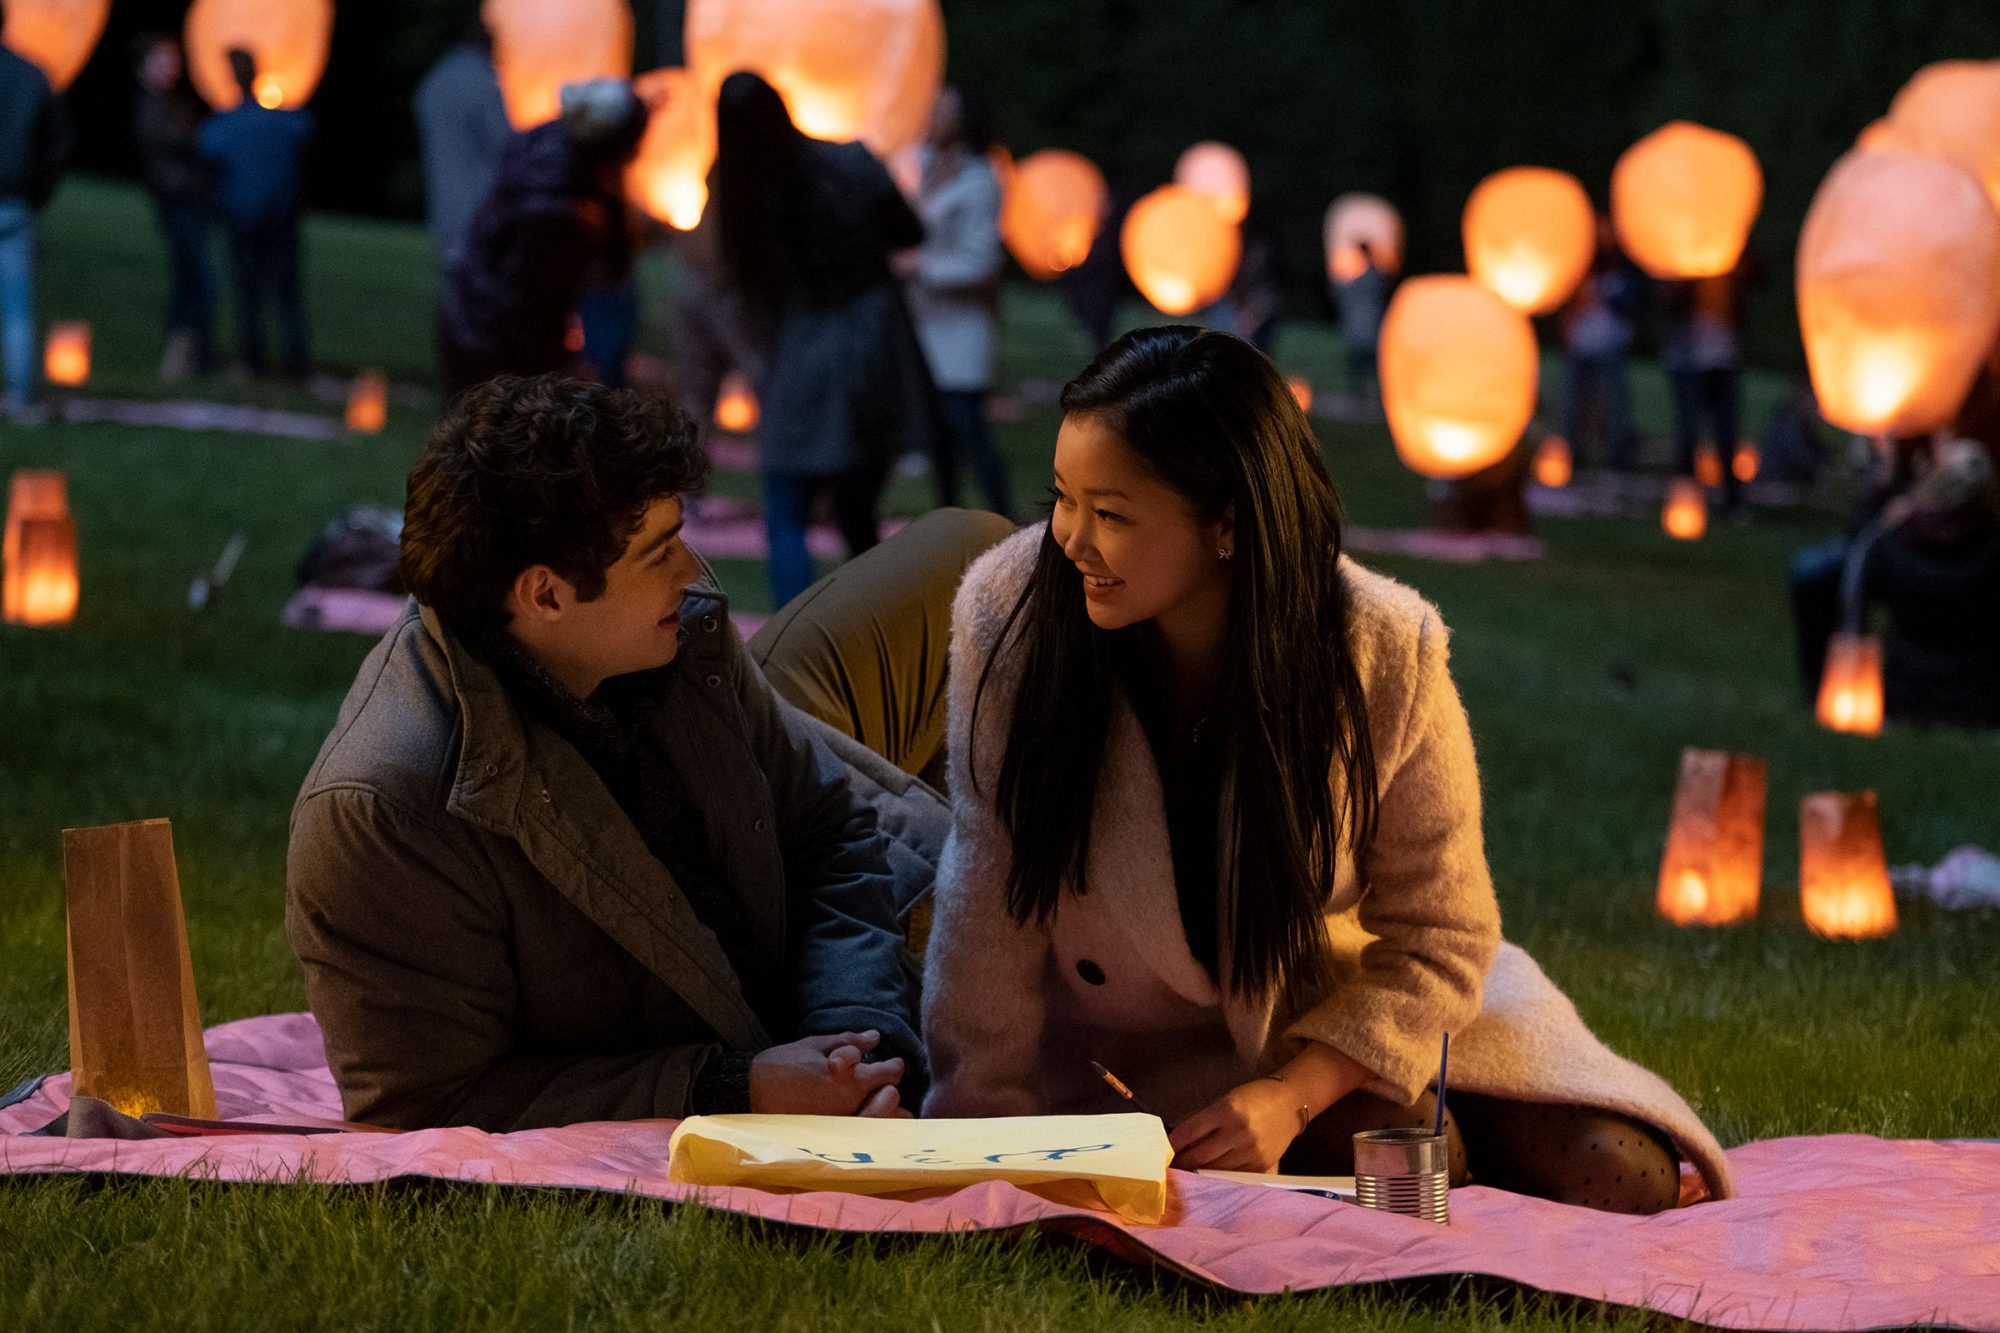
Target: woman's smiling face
<point x="1142" y="550"/>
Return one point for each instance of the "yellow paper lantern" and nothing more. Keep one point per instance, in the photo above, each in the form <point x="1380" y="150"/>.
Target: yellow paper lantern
<point x="32" y="493"/>
<point x="41" y="580"/>
<point x="1458" y="368"/>
<point x="1685" y="514"/>
<point x="1844" y="890"/>
<point x="368" y="403"/>
<point x="66" y="354"/>
<point x="1683" y="199"/>
<point x="1713" y="867"/>
<point x="1744" y="462"/>
<point x="1302" y="392"/>
<point x="1554" y="465"/>
<point x="1530" y="234"/>
<point x="669" y="177"/>
<point x="1179" y="251"/>
<point x="1952" y="110"/>
<point x="540" y="45"/>
<point x="1899" y="291"/>
<point x="860" y="69"/>
<point x="1354" y="220"/>
<point x="1219" y="172"/>
<point x="1850" y="685"/>
<point x="287" y="37"/>
<point x="57" y="35"/>
<point x="735" y="406"/>
<point x="1055" y="203"/>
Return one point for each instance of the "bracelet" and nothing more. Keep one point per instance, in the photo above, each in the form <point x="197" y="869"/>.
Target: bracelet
<point x="1305" y="1111"/>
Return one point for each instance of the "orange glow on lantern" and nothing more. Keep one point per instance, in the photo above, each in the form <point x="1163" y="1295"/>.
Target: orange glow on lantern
<point x="1713" y="867"/>
<point x="1554" y="465"/>
<point x="1708" y="466"/>
<point x="368" y="403"/>
<point x="56" y="35"/>
<point x="1744" y="462"/>
<point x="540" y="45"/>
<point x="66" y="356"/>
<point x="1218" y="172"/>
<point x="1844" y="890"/>
<point x="1898" y="290"/>
<point x="1683" y="199"/>
<point x="1056" y="201"/>
<point x="1530" y="234"/>
<point x="288" y="38"/>
<point x="1302" y="392"/>
<point x="41" y="580"/>
<point x="1355" y="220"/>
<point x="669" y="177"/>
<point x="861" y="69"/>
<point x="1850" y="685"/>
<point x="1685" y="514"/>
<point x="736" y="407"/>
<point x="1458" y="368"/>
<point x="1180" y="253"/>
<point x="1951" y="110"/>
<point x="32" y="493"/>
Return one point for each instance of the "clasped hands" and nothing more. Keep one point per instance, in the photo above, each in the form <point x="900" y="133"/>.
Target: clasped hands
<point x="827" y="1075"/>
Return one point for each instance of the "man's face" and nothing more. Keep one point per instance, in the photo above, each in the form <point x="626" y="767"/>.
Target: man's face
<point x="634" y="625"/>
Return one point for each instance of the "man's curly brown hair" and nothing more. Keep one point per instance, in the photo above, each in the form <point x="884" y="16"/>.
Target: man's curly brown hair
<point x="546" y="470"/>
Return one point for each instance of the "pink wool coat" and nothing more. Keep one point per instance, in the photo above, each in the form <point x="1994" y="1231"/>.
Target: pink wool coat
<point x="1014" y="1014"/>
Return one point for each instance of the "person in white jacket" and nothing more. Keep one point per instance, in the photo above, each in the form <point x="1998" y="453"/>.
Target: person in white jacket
<point x="954" y="289"/>
<point x="1216" y="824"/>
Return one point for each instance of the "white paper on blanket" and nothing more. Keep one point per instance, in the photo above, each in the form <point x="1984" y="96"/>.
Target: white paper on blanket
<point x="1124" y="1157"/>
<point x="1338" y="1187"/>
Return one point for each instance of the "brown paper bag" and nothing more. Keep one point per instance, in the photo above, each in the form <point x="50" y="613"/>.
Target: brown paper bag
<point x="134" y="1027"/>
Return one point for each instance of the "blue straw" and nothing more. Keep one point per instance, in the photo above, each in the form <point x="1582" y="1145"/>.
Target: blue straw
<point x="1444" y="1060"/>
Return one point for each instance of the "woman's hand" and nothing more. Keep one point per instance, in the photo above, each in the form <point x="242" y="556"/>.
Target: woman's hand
<point x="1247" y="1129"/>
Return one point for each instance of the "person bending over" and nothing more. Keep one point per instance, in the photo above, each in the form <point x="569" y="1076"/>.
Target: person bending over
<point x="1216" y="824"/>
<point x="565" y="856"/>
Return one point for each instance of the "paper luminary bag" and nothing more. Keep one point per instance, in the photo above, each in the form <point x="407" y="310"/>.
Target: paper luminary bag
<point x="1124" y="1157"/>
<point x="134" y="1029"/>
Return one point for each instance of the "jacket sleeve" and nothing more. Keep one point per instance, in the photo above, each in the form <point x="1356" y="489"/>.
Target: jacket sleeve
<point x="985" y="1002"/>
<point x="1427" y="898"/>
<point x="846" y="944"/>
<point x="963" y="254"/>
<point x="402" y="933"/>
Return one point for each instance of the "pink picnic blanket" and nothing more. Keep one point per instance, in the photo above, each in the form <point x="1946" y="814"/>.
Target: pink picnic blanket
<point x="1836" y="1232"/>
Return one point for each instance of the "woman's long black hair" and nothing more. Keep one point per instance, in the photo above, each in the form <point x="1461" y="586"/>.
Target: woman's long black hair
<point x="1208" y="415"/>
<point x="754" y="186"/>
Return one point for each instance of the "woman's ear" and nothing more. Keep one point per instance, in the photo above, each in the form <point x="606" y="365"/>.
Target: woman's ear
<point x="1225" y="532"/>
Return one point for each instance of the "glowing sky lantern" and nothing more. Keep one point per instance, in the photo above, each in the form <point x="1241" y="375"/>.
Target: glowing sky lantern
<point x="1683" y="199"/>
<point x="1354" y="220"/>
<point x="1458" y="368"/>
<point x="539" y="45"/>
<point x="66" y="354"/>
<point x="669" y="178"/>
<point x="860" y="69"/>
<point x="1219" y="172"/>
<point x="368" y="403"/>
<point x="1554" y="464"/>
<point x="1684" y="513"/>
<point x="736" y="405"/>
<point x="1179" y="251"/>
<point x="287" y="37"/>
<point x="1530" y="234"/>
<point x="1952" y="110"/>
<point x="1056" y="202"/>
<point x="1899" y="291"/>
<point x="1844" y="890"/>
<point x="57" y="35"/>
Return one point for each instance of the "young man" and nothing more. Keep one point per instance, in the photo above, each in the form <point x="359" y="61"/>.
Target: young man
<point x="565" y="855"/>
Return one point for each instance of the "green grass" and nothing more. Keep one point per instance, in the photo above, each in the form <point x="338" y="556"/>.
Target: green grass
<point x="1583" y="674"/>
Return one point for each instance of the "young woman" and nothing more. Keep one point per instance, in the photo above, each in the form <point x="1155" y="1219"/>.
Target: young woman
<point x="1216" y="824"/>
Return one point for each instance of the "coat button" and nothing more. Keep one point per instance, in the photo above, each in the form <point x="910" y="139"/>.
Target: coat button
<point x="714" y="681"/>
<point x="546" y="798"/>
<point x="711" y="624"/>
<point x="761" y="824"/>
<point x="1090" y="971"/>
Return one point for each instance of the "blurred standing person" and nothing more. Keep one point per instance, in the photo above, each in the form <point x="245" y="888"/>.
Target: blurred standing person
<point x="954" y="289"/>
<point x="554" y="219"/>
<point x="34" y="149"/>
<point x="1254" y="304"/>
<point x="1362" y="302"/>
<point x="1704" y="364"/>
<point x="806" y="230"/>
<point x="1597" y="333"/>
<point x="462" y="121"/>
<point x="258" y="154"/>
<point x="166" y="124"/>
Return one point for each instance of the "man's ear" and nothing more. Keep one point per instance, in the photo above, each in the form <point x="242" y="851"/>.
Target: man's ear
<point x="539" y="593"/>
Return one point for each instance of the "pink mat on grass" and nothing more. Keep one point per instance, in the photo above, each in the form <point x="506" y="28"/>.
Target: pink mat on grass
<point x="1839" y="1232"/>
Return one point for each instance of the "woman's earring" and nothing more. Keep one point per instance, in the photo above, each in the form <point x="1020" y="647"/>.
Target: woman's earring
<point x="1223" y="553"/>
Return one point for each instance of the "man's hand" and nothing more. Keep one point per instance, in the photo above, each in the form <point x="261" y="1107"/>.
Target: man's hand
<point x="826" y="1076"/>
<point x="1247" y="1129"/>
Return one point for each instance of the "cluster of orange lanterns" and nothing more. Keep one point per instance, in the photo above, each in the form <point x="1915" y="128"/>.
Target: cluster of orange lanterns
<point x="38" y="577"/>
<point x="288" y="38"/>
<point x="1712" y="871"/>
